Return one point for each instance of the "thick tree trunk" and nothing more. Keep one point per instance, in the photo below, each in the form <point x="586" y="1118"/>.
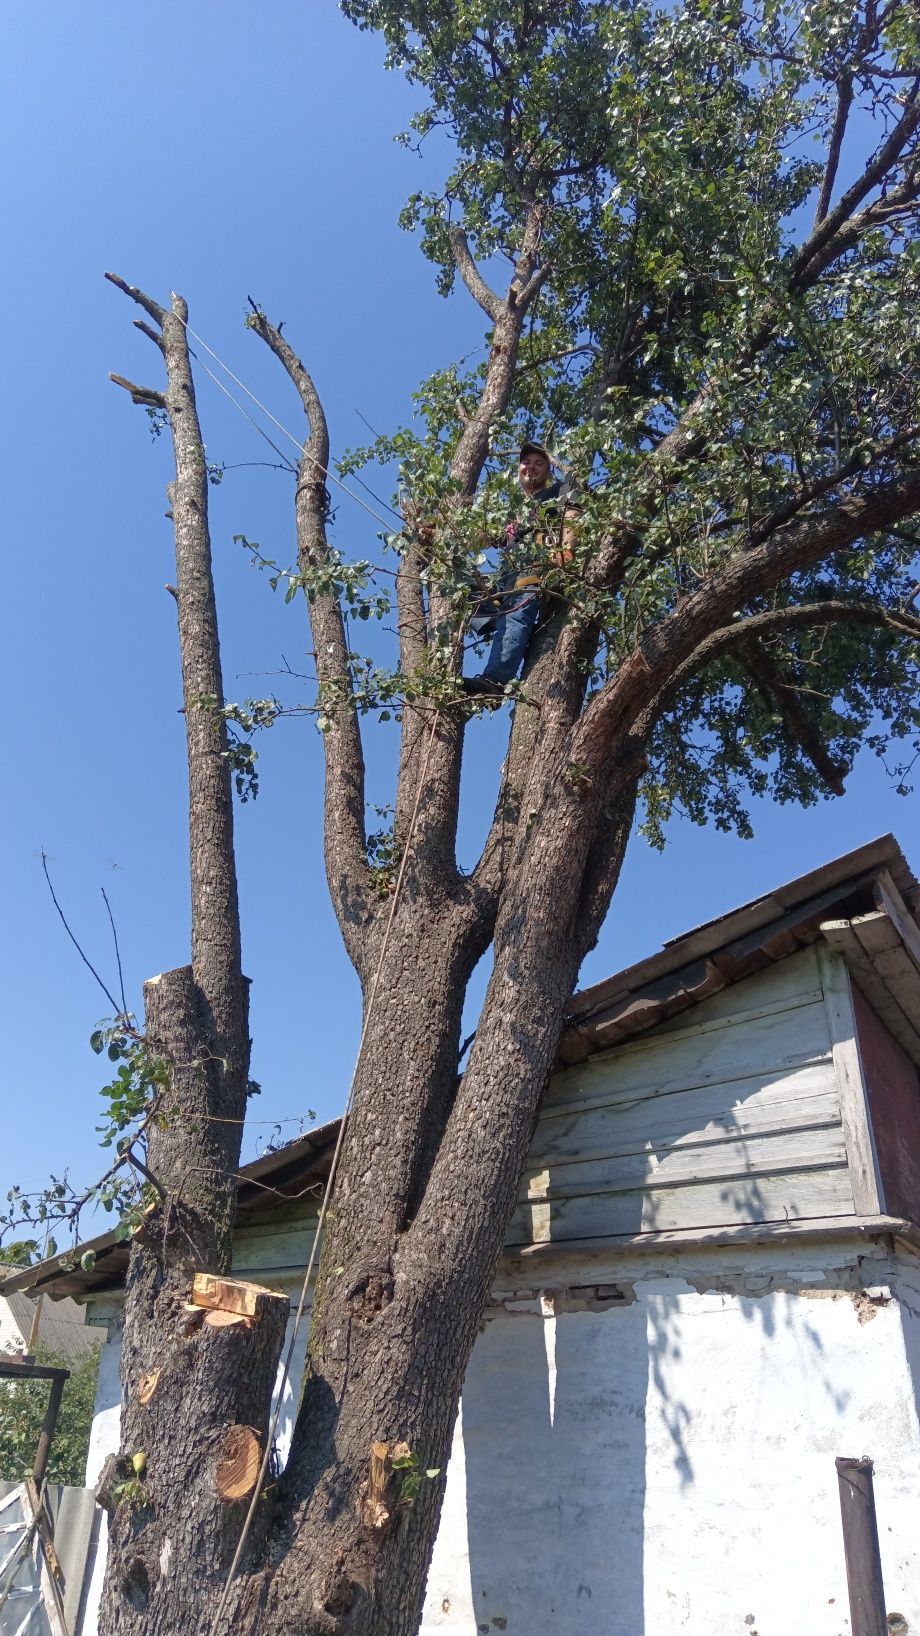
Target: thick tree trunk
<point x="196" y="1386"/>
<point x="190" y="1378"/>
<point x="400" y="1297"/>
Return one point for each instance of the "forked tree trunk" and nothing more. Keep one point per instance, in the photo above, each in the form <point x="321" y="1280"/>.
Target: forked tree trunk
<point x="391" y="1339"/>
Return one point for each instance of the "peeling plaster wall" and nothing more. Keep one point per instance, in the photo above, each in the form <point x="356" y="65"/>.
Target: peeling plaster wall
<point x="646" y="1447"/>
<point x="665" y="1463"/>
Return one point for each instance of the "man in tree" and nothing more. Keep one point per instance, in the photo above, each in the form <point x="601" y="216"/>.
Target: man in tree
<point x="511" y="612"/>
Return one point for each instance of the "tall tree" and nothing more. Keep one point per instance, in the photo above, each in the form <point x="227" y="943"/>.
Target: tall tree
<point x="711" y="318"/>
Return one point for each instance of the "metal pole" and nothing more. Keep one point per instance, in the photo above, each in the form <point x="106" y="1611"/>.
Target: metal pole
<point x="860" y="1548"/>
<point x="58" y="1379"/>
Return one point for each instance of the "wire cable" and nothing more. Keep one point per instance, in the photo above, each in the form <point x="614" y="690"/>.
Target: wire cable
<point x="275" y="422"/>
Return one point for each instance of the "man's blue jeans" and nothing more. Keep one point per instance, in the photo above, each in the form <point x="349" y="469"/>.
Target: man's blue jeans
<point x="513" y="629"/>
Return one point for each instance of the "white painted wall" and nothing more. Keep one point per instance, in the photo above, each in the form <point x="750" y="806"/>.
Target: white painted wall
<point x="674" y="1472"/>
<point x="11" y="1337"/>
<point x="661" y="1462"/>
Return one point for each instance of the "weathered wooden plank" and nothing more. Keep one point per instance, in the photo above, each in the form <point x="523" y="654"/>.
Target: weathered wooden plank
<point x="711" y="1204"/>
<point x="286" y="1220"/>
<point x="770" y="1154"/>
<point x="900" y="975"/>
<point x="563" y="1128"/>
<point x="605" y="1250"/>
<point x="857" y="1128"/>
<point x="606" y="1141"/>
<point x="768" y="1045"/>
<point x="678" y="1029"/>
<point x="788" y="982"/>
<point x="889" y="898"/>
<point x="841" y="936"/>
<point x="266" y="1251"/>
<point x="875" y="932"/>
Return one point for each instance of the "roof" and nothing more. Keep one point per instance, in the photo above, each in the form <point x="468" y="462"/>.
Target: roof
<point x="734" y="946"/>
<point x="62" y="1329"/>
<point x="288" y="1171"/>
<point x="848" y="894"/>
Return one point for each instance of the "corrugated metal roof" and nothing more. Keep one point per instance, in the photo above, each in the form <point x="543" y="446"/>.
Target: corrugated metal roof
<point x="62" y="1328"/>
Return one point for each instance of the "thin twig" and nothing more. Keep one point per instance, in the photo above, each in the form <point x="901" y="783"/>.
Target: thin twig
<point x="87" y="962"/>
<point x="121" y="980"/>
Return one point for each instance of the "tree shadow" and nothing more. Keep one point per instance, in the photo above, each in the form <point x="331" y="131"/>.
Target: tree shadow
<point x="554" y="1451"/>
<point x="579" y="1406"/>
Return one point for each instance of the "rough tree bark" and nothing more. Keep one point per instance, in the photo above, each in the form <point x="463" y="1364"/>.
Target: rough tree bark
<point x="432" y="1162"/>
<point x="188" y="1378"/>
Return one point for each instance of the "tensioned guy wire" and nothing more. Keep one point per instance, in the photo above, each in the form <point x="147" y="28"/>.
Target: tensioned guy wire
<point x="274" y="420"/>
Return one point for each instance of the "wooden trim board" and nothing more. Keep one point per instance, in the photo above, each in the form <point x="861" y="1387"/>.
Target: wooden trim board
<point x="854" y="1112"/>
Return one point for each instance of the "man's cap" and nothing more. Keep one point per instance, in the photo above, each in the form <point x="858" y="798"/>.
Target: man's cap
<point x="535" y="448"/>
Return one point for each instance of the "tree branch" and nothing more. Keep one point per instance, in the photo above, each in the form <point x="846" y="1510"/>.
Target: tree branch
<point x="149" y="305"/>
<point x="491" y="304"/>
<point x="829" y="612"/>
<point x="147" y="396"/>
<point x="214" y="1007"/>
<point x="780" y="695"/>
<point x="666" y="647"/>
<point x="844" y="104"/>
<point x="345" y="835"/>
<point x="150" y="333"/>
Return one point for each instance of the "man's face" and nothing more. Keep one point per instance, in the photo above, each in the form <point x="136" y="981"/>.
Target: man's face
<point x="533" y="471"/>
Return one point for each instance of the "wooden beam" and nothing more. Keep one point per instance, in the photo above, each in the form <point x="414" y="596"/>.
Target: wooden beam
<point x="889" y="898"/>
<point x="841" y="936"/>
<point x="854" y="1111"/>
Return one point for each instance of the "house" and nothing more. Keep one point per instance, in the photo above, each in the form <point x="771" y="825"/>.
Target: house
<point x="58" y="1327"/>
<point x="711" y="1288"/>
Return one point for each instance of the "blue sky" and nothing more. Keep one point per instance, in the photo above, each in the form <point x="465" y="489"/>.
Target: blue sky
<point x="193" y="148"/>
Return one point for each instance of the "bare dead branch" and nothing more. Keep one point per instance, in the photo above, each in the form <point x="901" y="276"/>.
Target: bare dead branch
<point x="481" y="292"/>
<point x="345" y="834"/>
<point x="121" y="979"/>
<point x="81" y="952"/>
<point x="151" y="334"/>
<point x="147" y="396"/>
<point x="149" y="305"/>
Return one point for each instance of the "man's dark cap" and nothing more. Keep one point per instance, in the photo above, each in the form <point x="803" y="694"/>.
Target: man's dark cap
<point x="535" y="448"/>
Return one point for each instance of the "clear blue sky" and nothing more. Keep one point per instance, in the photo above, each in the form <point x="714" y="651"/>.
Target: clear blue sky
<point x="194" y="147"/>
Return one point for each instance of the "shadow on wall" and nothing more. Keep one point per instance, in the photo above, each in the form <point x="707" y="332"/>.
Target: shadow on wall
<point x="554" y="1441"/>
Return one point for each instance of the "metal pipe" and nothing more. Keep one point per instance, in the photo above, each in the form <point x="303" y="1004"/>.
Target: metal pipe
<point x="861" y="1549"/>
<point x="59" y="1378"/>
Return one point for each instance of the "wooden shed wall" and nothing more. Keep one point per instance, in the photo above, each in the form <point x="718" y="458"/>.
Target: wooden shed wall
<point x="729" y="1119"/>
<point x="732" y="1118"/>
<point x="893" y="1087"/>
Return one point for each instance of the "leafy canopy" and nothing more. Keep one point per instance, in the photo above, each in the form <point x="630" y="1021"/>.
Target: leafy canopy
<point x="676" y="157"/>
